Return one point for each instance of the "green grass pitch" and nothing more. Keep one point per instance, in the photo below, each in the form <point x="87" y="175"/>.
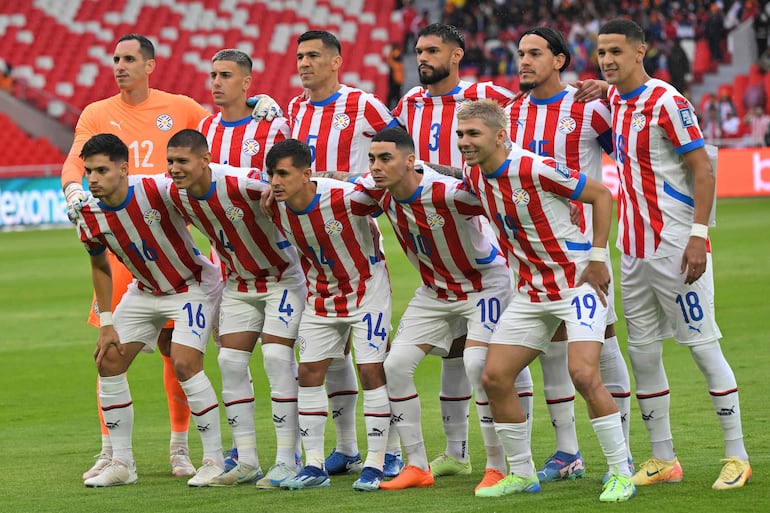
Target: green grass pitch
<point x="49" y="431"/>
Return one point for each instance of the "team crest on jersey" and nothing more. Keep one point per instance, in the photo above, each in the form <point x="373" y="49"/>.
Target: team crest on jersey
<point x="566" y="125"/>
<point x="151" y="216"/>
<point x="164" y="122"/>
<point x="250" y="147"/>
<point x="685" y="115"/>
<point x="302" y="344"/>
<point x="341" y="121"/>
<point x="638" y="121"/>
<point x="333" y="227"/>
<point x="563" y="170"/>
<point x="461" y="104"/>
<point x="435" y="221"/>
<point x="234" y="213"/>
<point x="520" y="197"/>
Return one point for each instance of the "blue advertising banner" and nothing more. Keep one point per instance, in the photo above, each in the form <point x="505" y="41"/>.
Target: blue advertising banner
<point x="31" y="201"/>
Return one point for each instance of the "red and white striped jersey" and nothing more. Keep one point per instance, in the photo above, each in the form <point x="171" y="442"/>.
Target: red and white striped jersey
<point x="339" y="129"/>
<point x="243" y="143"/>
<point x="652" y="127"/>
<point x="572" y="133"/>
<point x="440" y="233"/>
<point x="147" y="235"/>
<point x="431" y="120"/>
<point x="249" y="244"/>
<point x="338" y="251"/>
<point x="526" y="201"/>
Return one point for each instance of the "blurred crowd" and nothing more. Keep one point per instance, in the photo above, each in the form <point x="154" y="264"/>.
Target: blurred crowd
<point x="493" y="27"/>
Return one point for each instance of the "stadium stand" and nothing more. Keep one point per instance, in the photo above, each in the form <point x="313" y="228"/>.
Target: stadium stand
<point x="65" y="48"/>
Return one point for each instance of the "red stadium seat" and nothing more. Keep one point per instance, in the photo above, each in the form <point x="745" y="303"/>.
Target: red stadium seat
<point x="59" y="38"/>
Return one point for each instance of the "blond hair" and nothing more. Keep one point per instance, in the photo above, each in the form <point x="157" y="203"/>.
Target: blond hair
<point x="488" y="111"/>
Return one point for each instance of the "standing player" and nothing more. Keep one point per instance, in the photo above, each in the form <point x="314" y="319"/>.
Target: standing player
<point x="334" y="120"/>
<point x="665" y="200"/>
<point x="172" y="281"/>
<point x="337" y="123"/>
<point x="348" y="291"/>
<point x="428" y="113"/>
<point x="234" y="136"/>
<point x="549" y="122"/>
<point x="465" y="284"/>
<point x="144" y="119"/>
<point x="525" y="196"/>
<point x="264" y="290"/>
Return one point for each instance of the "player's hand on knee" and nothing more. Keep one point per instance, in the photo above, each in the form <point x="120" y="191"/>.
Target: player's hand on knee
<point x="108" y="339"/>
<point x="75" y="197"/>
<point x="265" y="108"/>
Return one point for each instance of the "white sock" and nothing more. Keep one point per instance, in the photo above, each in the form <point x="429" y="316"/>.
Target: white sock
<point x="118" y="412"/>
<point x="394" y="441"/>
<point x="377" y="420"/>
<point x="178" y="441"/>
<point x="107" y="445"/>
<point x="277" y="360"/>
<point x="610" y="434"/>
<point x="525" y="389"/>
<point x="238" y="398"/>
<point x="615" y="377"/>
<point x="205" y="412"/>
<point x="653" y="396"/>
<point x="515" y="440"/>
<point x="313" y="410"/>
<point x="560" y="396"/>
<point x="455" y="398"/>
<point x="342" y="389"/>
<point x="723" y="390"/>
<point x="474" y="358"/>
<point x="405" y="406"/>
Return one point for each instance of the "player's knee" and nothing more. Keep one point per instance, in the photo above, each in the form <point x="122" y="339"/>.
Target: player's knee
<point x="185" y="368"/>
<point x="474" y="359"/>
<point x="372" y="375"/>
<point x="585" y="379"/>
<point x="494" y="382"/>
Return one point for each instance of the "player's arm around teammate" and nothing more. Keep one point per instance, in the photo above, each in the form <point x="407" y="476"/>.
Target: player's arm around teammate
<point x="348" y="290"/>
<point x="264" y="291"/>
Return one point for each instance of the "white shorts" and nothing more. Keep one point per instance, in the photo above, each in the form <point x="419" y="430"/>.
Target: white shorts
<point x="275" y="312"/>
<point x="322" y="338"/>
<point x="532" y="325"/>
<point x="657" y="304"/>
<point x="140" y="316"/>
<point x="437" y="322"/>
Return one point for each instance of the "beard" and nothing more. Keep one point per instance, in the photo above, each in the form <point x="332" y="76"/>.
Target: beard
<point x="526" y="87"/>
<point x="437" y="75"/>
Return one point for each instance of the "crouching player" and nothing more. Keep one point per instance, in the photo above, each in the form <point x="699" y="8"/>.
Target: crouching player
<point x="348" y="290"/>
<point x="128" y="216"/>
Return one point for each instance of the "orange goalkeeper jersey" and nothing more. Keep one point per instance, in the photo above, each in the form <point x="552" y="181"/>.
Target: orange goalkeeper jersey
<point x="144" y="128"/>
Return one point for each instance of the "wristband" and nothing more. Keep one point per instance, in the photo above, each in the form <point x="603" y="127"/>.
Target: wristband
<point x="105" y="319"/>
<point x="699" y="230"/>
<point x="598" y="255"/>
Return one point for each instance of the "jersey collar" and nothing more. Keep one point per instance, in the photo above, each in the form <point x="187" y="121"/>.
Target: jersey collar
<point x="548" y="101"/>
<point x="123" y="205"/>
